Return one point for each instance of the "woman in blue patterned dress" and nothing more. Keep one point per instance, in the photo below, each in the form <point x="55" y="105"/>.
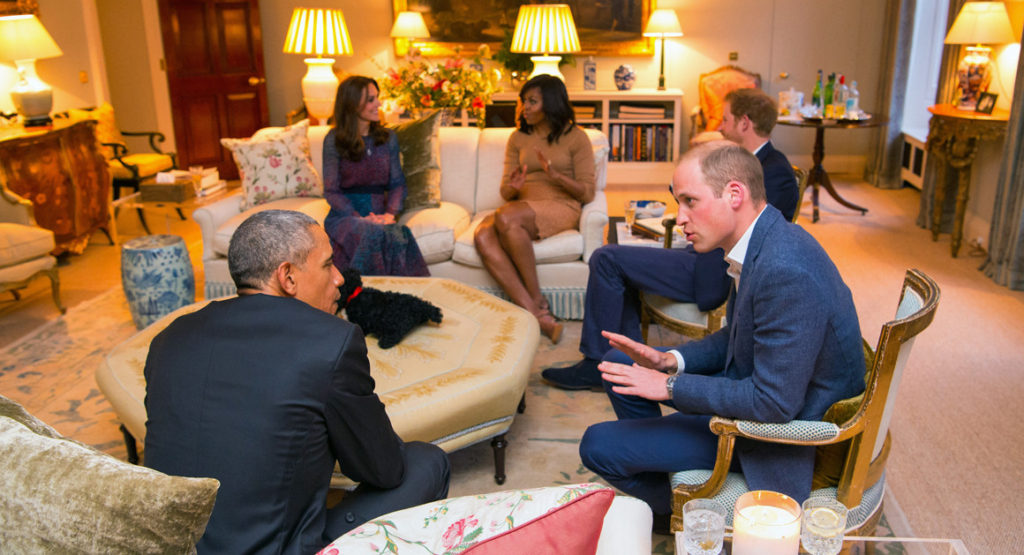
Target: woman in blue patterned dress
<point x="365" y="186"/>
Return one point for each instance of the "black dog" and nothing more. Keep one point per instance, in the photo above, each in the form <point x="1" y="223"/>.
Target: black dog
<point x="387" y="314"/>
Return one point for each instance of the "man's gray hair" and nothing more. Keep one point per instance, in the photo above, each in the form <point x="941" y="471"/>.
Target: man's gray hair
<point x="264" y="241"/>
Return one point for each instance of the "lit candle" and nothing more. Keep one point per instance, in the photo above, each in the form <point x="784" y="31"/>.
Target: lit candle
<point x="766" y="523"/>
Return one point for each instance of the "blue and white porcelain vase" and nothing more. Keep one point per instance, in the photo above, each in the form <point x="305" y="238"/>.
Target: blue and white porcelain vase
<point x="624" y="77"/>
<point x="157" y="277"/>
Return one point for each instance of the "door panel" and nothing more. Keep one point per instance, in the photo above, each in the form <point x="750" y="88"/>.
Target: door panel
<point x="214" y="50"/>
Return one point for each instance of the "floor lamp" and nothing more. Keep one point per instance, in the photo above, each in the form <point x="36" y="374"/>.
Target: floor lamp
<point x="663" y="24"/>
<point x="319" y="32"/>
<point x="545" y="29"/>
<point x="23" y="40"/>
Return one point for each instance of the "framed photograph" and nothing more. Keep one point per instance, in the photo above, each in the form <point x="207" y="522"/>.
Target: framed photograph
<point x="605" y="27"/>
<point x="986" y="102"/>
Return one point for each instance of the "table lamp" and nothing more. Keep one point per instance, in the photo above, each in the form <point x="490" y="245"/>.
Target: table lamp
<point x="978" y="23"/>
<point x="663" y="24"/>
<point x="545" y="29"/>
<point x="23" y="40"/>
<point x="319" y="32"/>
<point x="408" y="26"/>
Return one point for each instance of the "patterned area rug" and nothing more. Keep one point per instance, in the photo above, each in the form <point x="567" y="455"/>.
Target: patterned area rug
<point x="51" y="372"/>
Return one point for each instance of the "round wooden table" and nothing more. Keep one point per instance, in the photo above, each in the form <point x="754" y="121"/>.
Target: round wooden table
<point x="817" y="176"/>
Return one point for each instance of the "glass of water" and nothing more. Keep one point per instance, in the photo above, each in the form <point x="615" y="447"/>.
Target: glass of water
<point x="703" y="526"/>
<point x="823" y="526"/>
<point x="630" y="210"/>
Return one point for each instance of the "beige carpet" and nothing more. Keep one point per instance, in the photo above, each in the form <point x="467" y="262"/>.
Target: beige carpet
<point x="957" y="456"/>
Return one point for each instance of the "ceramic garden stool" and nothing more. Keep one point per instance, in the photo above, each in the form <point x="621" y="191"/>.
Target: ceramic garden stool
<point x="453" y="385"/>
<point x="157" y="277"/>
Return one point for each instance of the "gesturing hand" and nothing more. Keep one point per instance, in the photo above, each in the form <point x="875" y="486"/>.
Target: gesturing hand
<point x="383" y="219"/>
<point x="517" y="178"/>
<point x="635" y="380"/>
<point x="642" y="354"/>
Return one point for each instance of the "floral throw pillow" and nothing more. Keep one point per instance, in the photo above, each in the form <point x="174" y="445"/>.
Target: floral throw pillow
<point x="275" y="165"/>
<point x="537" y="517"/>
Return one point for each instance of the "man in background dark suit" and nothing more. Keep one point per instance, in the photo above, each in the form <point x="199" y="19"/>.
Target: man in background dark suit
<point x="791" y="346"/>
<point x="618" y="273"/>
<point x="265" y="391"/>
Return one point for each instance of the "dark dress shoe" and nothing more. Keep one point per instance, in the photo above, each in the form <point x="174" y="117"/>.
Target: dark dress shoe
<point x="662" y="525"/>
<point x="582" y="375"/>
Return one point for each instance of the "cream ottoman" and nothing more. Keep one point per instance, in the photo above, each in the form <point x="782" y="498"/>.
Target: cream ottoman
<point x="452" y="385"/>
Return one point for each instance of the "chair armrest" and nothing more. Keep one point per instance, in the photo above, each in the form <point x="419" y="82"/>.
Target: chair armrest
<point x="155" y="138"/>
<point x="14" y="209"/>
<point x="794" y="432"/>
<point x="593" y="219"/>
<point x="212" y="216"/>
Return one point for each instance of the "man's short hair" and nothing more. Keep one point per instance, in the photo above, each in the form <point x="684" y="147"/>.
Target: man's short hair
<point x="264" y="241"/>
<point x="724" y="161"/>
<point x="756" y="105"/>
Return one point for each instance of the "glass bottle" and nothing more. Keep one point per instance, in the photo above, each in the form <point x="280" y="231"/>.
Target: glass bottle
<point x="816" y="94"/>
<point x="853" y="102"/>
<point x="842" y="91"/>
<point x="827" y="100"/>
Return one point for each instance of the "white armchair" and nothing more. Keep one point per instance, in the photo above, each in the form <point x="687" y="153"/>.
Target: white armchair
<point x="24" y="248"/>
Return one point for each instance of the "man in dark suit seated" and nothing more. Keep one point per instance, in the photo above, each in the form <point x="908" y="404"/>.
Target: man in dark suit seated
<point x="265" y="391"/>
<point x="617" y="272"/>
<point x="790" y="349"/>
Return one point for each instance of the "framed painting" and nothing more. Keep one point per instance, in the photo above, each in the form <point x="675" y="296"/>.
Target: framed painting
<point x="605" y="27"/>
<point x="18" y="7"/>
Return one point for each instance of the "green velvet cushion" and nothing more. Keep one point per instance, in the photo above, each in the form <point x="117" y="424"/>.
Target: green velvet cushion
<point x="421" y="161"/>
<point x="60" y="496"/>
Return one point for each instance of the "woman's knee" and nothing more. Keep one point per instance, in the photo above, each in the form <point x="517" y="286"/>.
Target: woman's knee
<point x="512" y="216"/>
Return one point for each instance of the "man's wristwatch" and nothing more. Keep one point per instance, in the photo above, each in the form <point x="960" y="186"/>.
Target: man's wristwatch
<point x="670" y="384"/>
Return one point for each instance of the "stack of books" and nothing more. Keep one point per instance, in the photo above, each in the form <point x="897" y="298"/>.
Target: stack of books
<point x="629" y="111"/>
<point x="585" y="111"/>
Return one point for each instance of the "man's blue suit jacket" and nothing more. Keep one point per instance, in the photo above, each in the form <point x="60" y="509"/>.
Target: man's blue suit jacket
<point x="711" y="284"/>
<point x="791" y="348"/>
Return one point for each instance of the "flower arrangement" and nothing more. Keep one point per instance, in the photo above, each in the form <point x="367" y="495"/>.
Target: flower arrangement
<point x="456" y="82"/>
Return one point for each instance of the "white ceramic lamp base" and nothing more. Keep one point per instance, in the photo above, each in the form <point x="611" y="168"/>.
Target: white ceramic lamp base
<point x="319" y="87"/>
<point x="546" y="65"/>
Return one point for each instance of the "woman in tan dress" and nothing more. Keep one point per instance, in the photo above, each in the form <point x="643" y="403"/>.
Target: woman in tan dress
<point x="548" y="177"/>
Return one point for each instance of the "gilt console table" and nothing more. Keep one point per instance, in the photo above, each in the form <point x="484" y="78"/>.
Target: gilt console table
<point x="953" y="137"/>
<point x="62" y="172"/>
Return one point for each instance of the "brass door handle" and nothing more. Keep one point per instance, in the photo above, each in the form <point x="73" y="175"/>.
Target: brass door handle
<point x="253" y="81"/>
<point x="784" y="75"/>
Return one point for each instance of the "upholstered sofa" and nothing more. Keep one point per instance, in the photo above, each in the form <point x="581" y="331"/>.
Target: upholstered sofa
<point x="471" y="163"/>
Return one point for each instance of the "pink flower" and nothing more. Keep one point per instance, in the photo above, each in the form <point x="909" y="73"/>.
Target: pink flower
<point x="426" y="101"/>
<point x="453" y="535"/>
<point x="274" y="161"/>
<point x="330" y="551"/>
<point x="439" y="84"/>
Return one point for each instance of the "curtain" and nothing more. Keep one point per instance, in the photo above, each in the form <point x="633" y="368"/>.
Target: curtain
<point x="947" y="91"/>
<point x="882" y="168"/>
<point x="1005" y="262"/>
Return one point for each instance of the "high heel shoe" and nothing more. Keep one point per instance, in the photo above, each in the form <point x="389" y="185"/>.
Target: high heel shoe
<point x="550" y="327"/>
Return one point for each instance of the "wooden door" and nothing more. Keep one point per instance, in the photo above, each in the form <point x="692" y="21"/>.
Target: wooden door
<point x="214" y="52"/>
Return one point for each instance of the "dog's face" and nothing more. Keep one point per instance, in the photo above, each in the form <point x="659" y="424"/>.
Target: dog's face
<point x="352" y="281"/>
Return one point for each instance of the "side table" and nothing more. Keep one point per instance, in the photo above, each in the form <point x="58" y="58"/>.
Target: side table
<point x="953" y="137"/>
<point x="157" y="277"/>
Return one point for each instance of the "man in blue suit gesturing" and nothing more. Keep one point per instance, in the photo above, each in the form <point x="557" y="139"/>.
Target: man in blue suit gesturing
<point x="791" y="347"/>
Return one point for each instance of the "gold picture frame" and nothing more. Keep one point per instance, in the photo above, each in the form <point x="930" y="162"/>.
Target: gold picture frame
<point x="19" y="7"/>
<point x="466" y="25"/>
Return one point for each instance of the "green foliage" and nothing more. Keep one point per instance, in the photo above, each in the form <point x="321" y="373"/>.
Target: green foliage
<point x="515" y="61"/>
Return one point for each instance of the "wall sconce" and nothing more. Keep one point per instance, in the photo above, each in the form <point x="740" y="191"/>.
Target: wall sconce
<point x="23" y="40"/>
<point x="319" y="32"/>
<point x="978" y="23"/>
<point x="545" y="29"/>
<point x="408" y="26"/>
<point x="663" y="24"/>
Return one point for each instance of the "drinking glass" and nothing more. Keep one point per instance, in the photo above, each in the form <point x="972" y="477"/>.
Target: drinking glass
<point x="703" y="526"/>
<point x="630" y="216"/>
<point x="823" y="526"/>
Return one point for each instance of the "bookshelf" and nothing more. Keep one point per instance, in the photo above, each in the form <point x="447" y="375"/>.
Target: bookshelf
<point x="642" y="125"/>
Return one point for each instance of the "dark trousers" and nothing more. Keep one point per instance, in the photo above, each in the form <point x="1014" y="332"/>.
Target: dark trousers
<point x="427" y="474"/>
<point x="638" y="452"/>
<point x="618" y="273"/>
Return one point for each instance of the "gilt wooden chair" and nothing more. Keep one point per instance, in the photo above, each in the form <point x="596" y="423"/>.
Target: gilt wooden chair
<point x="852" y="438"/>
<point x="712" y="88"/>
